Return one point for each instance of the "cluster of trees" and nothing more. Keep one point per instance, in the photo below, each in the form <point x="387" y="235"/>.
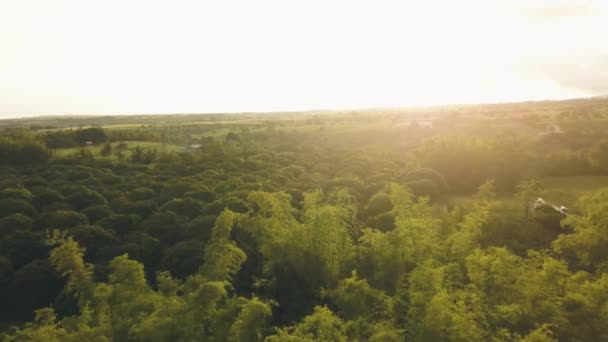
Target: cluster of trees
<point x="74" y="138"/>
<point x="23" y="150"/>
<point x="282" y="274"/>
<point x="310" y="235"/>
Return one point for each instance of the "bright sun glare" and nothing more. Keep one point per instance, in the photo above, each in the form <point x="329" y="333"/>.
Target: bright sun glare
<point x="224" y="56"/>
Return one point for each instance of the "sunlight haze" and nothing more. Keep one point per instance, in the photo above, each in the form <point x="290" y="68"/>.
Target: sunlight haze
<point x="111" y="57"/>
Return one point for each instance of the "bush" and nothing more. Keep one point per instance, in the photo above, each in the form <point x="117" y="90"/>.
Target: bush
<point x="121" y="224"/>
<point x="13" y="223"/>
<point x="95" y="240"/>
<point x="141" y="193"/>
<point x="186" y="207"/>
<point x="44" y="196"/>
<point x="384" y="222"/>
<point x="183" y="258"/>
<point x="18" y="193"/>
<point x="86" y="198"/>
<point x="97" y="212"/>
<point x="22" y="152"/>
<point x="93" y="134"/>
<point x="9" y="206"/>
<point x="24" y="246"/>
<point x="378" y="204"/>
<point x="61" y="219"/>
<point x="34" y="286"/>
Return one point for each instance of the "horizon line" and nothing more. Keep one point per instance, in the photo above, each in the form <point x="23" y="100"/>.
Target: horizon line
<point x="16" y="116"/>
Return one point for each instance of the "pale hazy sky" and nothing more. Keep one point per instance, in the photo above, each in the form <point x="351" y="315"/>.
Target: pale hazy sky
<point x="265" y="55"/>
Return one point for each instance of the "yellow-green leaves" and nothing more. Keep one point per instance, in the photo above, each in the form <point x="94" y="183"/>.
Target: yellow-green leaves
<point x="67" y="258"/>
<point x="250" y="321"/>
<point x="322" y="325"/>
<point x="222" y="257"/>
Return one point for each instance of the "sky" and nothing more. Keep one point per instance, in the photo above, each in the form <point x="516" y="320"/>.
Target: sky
<point x="131" y="56"/>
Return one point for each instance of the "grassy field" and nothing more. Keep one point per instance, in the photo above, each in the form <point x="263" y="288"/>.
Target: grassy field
<point x="577" y="184"/>
<point x="566" y="190"/>
<point x="557" y="190"/>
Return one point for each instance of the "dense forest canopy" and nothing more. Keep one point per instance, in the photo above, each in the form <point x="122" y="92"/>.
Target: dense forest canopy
<point x="328" y="226"/>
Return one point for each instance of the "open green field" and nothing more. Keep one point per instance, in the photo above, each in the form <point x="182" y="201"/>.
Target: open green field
<point x="575" y="184"/>
<point x="557" y="190"/>
<point x="566" y="190"/>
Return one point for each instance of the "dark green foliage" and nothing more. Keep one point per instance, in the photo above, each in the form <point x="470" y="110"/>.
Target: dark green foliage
<point x="176" y="189"/>
<point x="143" y="155"/>
<point x="10" y="206"/>
<point x="142" y="209"/>
<point x="200" y="227"/>
<point x="214" y="208"/>
<point x="236" y="205"/>
<point x="85" y="198"/>
<point x="201" y="195"/>
<point x="167" y="226"/>
<point x="16" y="222"/>
<point x="143" y="248"/>
<point x="106" y="151"/>
<point x="35" y="181"/>
<point x="510" y="228"/>
<point x="44" y="196"/>
<point x="24" y="246"/>
<point x="232" y="138"/>
<point x="6" y="272"/>
<point x="16" y="193"/>
<point x="121" y="224"/>
<point x="95" y="135"/>
<point x="10" y="180"/>
<point x="378" y="204"/>
<point x="185" y="207"/>
<point x="425" y="182"/>
<point x="97" y="212"/>
<point x="61" y="219"/>
<point x="384" y="222"/>
<point x="95" y="240"/>
<point x="33" y="286"/>
<point x="141" y="193"/>
<point x="183" y="259"/>
<point x="22" y="151"/>
<point x="58" y="139"/>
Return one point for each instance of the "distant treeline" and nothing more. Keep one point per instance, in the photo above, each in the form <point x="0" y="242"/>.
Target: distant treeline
<point x="74" y="138"/>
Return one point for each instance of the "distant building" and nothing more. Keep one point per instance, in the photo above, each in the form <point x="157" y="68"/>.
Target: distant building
<point x="89" y="143"/>
<point x="194" y="146"/>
